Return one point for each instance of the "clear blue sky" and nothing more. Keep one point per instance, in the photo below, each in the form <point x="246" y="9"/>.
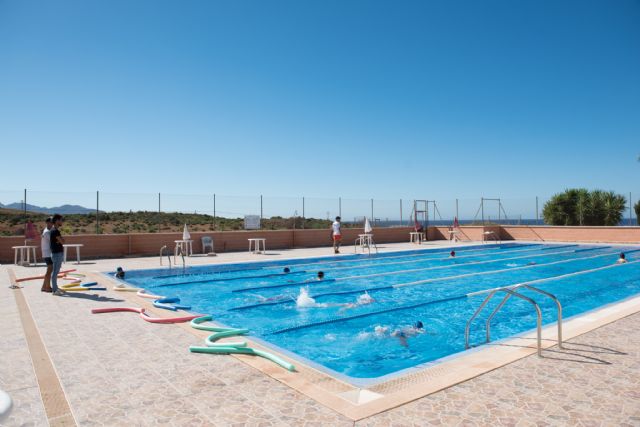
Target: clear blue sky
<point x="427" y="99"/>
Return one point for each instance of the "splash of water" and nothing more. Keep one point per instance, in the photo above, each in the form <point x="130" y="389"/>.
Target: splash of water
<point x="304" y="300"/>
<point x="365" y="299"/>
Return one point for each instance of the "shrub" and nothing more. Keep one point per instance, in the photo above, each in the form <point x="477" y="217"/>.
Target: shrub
<point x="578" y="206"/>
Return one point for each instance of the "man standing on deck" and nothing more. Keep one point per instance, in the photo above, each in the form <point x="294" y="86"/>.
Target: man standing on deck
<point x="337" y="235"/>
<point x="57" y="253"/>
<point x="45" y="247"/>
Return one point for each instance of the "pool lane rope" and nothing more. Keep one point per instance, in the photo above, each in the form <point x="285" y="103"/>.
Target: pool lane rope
<point x="392" y="273"/>
<point x="434" y="258"/>
<point x="230" y="279"/>
<point x="240" y="347"/>
<point x="425" y="281"/>
<point x="361" y="266"/>
<point x="452" y="298"/>
<point x="426" y="253"/>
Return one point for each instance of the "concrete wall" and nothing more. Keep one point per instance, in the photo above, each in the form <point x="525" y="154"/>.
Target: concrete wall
<point x="141" y="244"/>
<point x="572" y="234"/>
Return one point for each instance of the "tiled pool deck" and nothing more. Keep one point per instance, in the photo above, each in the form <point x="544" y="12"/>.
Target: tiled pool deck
<point x="119" y="370"/>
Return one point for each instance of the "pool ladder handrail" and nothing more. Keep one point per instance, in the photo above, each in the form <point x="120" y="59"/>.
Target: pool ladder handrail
<point x="168" y="255"/>
<point x="510" y="291"/>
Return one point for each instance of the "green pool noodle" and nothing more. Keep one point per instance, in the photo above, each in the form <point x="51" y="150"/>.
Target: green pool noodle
<point x="243" y="350"/>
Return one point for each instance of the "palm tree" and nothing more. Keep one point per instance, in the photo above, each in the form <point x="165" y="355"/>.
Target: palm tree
<point x="613" y="206"/>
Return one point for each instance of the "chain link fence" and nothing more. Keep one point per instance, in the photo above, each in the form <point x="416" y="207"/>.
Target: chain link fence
<point x="105" y="212"/>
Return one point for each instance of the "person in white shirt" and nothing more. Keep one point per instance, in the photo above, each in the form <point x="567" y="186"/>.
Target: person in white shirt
<point x="337" y="235"/>
<point x="45" y="246"/>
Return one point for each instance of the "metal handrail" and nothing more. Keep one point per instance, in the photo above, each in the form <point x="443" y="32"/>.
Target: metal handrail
<point x="184" y="266"/>
<point x="558" y="306"/>
<point x="168" y="255"/>
<point x="510" y="292"/>
<point x="534" y="289"/>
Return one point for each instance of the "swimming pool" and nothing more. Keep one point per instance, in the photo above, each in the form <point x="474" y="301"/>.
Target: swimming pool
<point x="357" y="321"/>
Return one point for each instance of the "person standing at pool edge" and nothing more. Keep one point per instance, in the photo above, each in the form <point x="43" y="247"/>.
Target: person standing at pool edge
<point x="45" y="247"/>
<point x="337" y="235"/>
<point x="57" y="252"/>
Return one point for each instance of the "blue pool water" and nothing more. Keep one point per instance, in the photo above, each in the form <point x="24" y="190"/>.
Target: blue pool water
<point x="426" y="285"/>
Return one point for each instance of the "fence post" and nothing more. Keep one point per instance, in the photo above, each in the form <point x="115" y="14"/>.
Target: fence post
<point x="303" y="217"/>
<point x="97" y="212"/>
<point x="261" y="211"/>
<point x="214" y="211"/>
<point x="630" y="223"/>
<point x="340" y="207"/>
<point x="457" y="214"/>
<point x="372" y="217"/>
<point x="159" y="219"/>
<point x="401" y="219"/>
<point x="537" y="215"/>
<point x="24" y="206"/>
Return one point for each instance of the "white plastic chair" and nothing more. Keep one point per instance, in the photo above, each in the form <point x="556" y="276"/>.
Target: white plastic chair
<point x="207" y="242"/>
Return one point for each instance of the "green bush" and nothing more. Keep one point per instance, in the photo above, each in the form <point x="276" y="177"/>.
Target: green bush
<point x="636" y="207"/>
<point x="579" y="206"/>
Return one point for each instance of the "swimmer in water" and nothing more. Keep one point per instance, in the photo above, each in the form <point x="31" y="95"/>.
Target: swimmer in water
<point x="272" y="299"/>
<point x="622" y="259"/>
<point x="320" y="275"/>
<point x="381" y="331"/>
<point x="119" y="273"/>
<point x="286" y="270"/>
<point x="531" y="263"/>
<point x="452" y="254"/>
<point x="407" y="332"/>
<point x="363" y="299"/>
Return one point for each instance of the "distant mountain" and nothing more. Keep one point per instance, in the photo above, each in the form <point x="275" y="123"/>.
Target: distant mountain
<point x="63" y="210"/>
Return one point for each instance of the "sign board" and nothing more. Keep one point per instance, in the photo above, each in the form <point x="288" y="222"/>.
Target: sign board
<point x="252" y="222"/>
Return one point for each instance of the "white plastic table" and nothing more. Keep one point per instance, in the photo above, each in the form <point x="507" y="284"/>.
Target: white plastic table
<point x="416" y="237"/>
<point x="490" y="233"/>
<point x="255" y="242"/>
<point x="77" y="246"/>
<point x="185" y="247"/>
<point x="25" y="254"/>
